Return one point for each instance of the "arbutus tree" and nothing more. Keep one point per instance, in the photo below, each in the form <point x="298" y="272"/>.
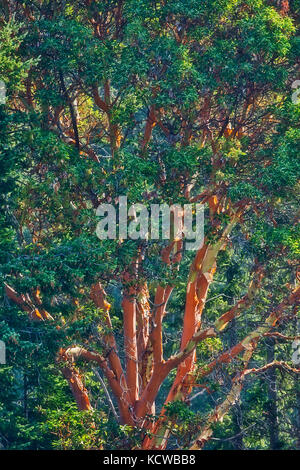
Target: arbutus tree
<point x="167" y="103"/>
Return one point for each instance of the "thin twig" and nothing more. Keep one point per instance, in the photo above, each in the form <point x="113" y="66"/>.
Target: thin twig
<point x="106" y="393"/>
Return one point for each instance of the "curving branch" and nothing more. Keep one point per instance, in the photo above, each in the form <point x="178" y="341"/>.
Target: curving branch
<point x="221" y="410"/>
<point x="72" y="354"/>
<point x="26" y="303"/>
<point x="275" y="364"/>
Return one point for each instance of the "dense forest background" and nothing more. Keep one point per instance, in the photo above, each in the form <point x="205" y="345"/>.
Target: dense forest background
<point x="123" y="343"/>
